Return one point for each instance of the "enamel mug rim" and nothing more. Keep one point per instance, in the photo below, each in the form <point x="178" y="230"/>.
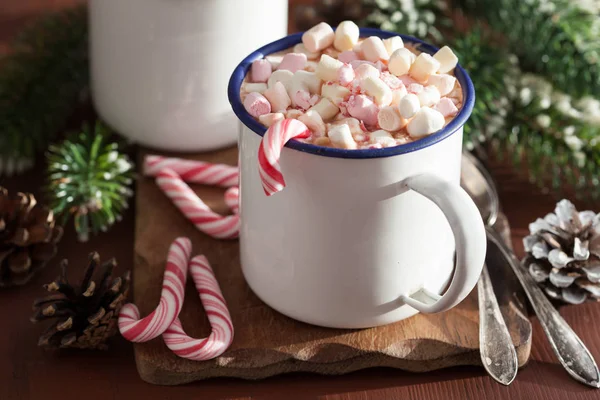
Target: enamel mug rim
<point x="239" y="73"/>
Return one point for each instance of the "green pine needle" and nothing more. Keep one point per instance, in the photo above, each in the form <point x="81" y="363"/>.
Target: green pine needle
<point x="90" y="179"/>
<point x="41" y="81"/>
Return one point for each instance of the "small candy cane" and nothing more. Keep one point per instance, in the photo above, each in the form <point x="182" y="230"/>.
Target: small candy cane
<point x="215" y="307"/>
<point x="135" y="329"/>
<point x="232" y="199"/>
<point x="193" y="171"/>
<point x="194" y="209"/>
<point x="270" y="148"/>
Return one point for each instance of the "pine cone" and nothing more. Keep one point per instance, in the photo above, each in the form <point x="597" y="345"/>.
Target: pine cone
<point x="331" y="11"/>
<point x="86" y="315"/>
<point x="28" y="237"/>
<point x="564" y="253"/>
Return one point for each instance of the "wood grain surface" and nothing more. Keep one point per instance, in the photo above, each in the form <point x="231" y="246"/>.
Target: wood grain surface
<point x="267" y="343"/>
<point x="27" y="372"/>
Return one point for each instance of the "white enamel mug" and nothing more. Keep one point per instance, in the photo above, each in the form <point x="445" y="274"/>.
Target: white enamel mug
<point x="359" y="238"/>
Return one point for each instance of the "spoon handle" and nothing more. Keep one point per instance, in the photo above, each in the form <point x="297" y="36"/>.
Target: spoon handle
<point x="497" y="351"/>
<point x="565" y="343"/>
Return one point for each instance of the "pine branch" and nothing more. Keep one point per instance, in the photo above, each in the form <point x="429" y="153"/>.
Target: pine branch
<point x="41" y="81"/>
<point x="89" y="179"/>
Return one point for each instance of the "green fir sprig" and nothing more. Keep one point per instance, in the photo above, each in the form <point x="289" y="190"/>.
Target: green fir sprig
<point x="89" y="178"/>
<point x="42" y="79"/>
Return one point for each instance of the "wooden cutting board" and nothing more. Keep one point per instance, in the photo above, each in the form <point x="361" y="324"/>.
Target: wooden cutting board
<point x="267" y="343"/>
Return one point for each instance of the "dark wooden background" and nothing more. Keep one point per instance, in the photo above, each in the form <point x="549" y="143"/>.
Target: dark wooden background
<point x="27" y="372"/>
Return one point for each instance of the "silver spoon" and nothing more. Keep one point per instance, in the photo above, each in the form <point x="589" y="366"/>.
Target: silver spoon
<point x="498" y="354"/>
<point x="568" y="347"/>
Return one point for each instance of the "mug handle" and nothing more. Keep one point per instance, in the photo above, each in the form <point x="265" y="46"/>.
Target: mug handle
<point x="469" y="236"/>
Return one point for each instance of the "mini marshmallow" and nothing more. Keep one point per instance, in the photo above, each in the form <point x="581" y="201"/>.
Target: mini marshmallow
<point x="346" y="36"/>
<point x="407" y="80"/>
<point x="269" y="119"/>
<point x="429" y="96"/>
<point x="409" y="105"/>
<point x="425" y="122"/>
<point x="274" y="59"/>
<point x="398" y="94"/>
<point x="415" y="88"/>
<point x="446" y="107"/>
<point x="447" y="60"/>
<point x="424" y="66"/>
<point x="301" y="98"/>
<point x="293" y="114"/>
<point x="331" y="52"/>
<point x="328" y="67"/>
<point x="443" y="82"/>
<point x="326" y="109"/>
<point x="348" y="56"/>
<point x="376" y="88"/>
<point x="391" y="80"/>
<point x="357" y="63"/>
<point x="309" y="80"/>
<point x="364" y="71"/>
<point x="318" y="37"/>
<point x="355" y="126"/>
<point x="390" y="119"/>
<point x="346" y="75"/>
<point x="392" y="44"/>
<point x="374" y="49"/>
<point x="278" y="97"/>
<point x="314" y="122"/>
<point x="400" y="61"/>
<point x="301" y="48"/>
<point x="256" y="104"/>
<point x="254" y="87"/>
<point x="363" y="108"/>
<point x="382" y="137"/>
<point x="341" y="137"/>
<point x="293" y="62"/>
<point x="284" y="76"/>
<point x="335" y="93"/>
<point x="260" y="71"/>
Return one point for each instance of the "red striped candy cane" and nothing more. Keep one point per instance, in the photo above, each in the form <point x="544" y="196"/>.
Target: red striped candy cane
<point x="193" y="171"/>
<point x="215" y="307"/>
<point x="232" y="198"/>
<point x="135" y="329"/>
<point x="270" y="148"/>
<point x="194" y="209"/>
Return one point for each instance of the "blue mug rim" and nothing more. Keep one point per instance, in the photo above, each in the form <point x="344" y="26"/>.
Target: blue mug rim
<point x="239" y="73"/>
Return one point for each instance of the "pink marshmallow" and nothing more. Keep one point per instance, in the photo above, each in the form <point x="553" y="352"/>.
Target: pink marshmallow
<point x="357" y="63"/>
<point x="391" y="80"/>
<point x="302" y="99"/>
<point x="363" y="108"/>
<point x="293" y="62"/>
<point x="415" y="88"/>
<point x="346" y="74"/>
<point x="347" y="56"/>
<point x="407" y="80"/>
<point x="446" y="107"/>
<point x="256" y="104"/>
<point x="261" y="71"/>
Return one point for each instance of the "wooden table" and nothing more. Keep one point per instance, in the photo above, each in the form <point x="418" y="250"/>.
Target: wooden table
<point x="27" y="372"/>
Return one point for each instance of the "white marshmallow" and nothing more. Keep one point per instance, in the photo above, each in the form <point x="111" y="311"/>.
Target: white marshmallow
<point x="269" y="119"/>
<point x="261" y="70"/>
<point x="334" y="92"/>
<point x="443" y="82"/>
<point x="354" y="125"/>
<point x="254" y="87"/>
<point x="311" y="66"/>
<point x="278" y="97"/>
<point x="400" y="62"/>
<point x="326" y="109"/>
<point x="293" y="114"/>
<point x="318" y="37"/>
<point x="346" y="36"/>
<point x="429" y="96"/>
<point x="364" y="71"/>
<point x="390" y="119"/>
<point x="376" y="88"/>
<point x="374" y="49"/>
<point x="392" y="44"/>
<point x="309" y="80"/>
<point x="341" y="137"/>
<point x="284" y="76"/>
<point x="328" y="67"/>
<point x="301" y="48"/>
<point x="274" y="60"/>
<point x="293" y="62"/>
<point x="398" y="94"/>
<point x="409" y="105"/>
<point x="314" y="122"/>
<point x="447" y="60"/>
<point x="424" y="66"/>
<point x="425" y="122"/>
<point x="382" y="137"/>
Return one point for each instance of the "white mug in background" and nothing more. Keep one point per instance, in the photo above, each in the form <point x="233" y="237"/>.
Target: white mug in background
<point x="160" y="68"/>
<point x="359" y="238"/>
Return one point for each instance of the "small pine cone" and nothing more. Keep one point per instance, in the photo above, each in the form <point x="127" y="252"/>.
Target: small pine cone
<point x="86" y="315"/>
<point x="28" y="237"/>
<point x="564" y="254"/>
